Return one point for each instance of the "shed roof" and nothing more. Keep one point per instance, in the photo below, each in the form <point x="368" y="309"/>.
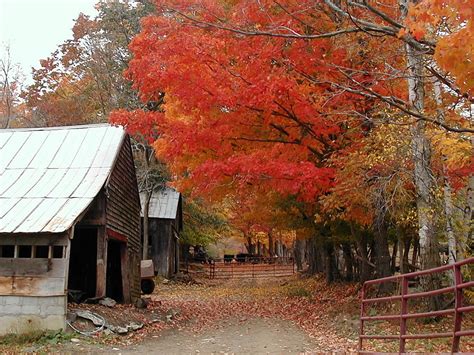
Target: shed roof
<point x="163" y="204"/>
<point x="49" y="176"/>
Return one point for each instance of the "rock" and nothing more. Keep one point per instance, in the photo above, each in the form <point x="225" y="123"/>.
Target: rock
<point x="141" y="303"/>
<point x="174" y="312"/>
<point x="108" y="302"/>
<point x="90" y="316"/>
<point x="71" y="317"/>
<point x="135" y="326"/>
<point x="75" y="340"/>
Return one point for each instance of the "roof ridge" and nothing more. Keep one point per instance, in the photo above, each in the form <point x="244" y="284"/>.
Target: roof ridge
<point x="84" y="126"/>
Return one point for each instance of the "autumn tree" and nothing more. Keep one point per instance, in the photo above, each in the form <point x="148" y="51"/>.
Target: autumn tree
<point x="11" y="81"/>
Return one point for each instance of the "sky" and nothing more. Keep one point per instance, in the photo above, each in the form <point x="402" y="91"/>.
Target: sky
<point x="34" y="28"/>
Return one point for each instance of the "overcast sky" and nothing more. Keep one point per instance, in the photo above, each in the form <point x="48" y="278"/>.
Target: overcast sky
<point x="34" y="28"/>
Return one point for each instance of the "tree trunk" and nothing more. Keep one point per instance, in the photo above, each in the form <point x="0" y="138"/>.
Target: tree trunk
<point x="467" y="242"/>
<point x="365" y="270"/>
<point x="393" y="263"/>
<point x="349" y="275"/>
<point x="382" y="255"/>
<point x="447" y="190"/>
<point x="270" y="244"/>
<point x="424" y="182"/>
<point x="299" y="253"/>
<point x="404" y="266"/>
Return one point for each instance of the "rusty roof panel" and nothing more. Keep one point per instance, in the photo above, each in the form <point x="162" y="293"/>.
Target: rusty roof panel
<point x="163" y="204"/>
<point x="49" y="176"/>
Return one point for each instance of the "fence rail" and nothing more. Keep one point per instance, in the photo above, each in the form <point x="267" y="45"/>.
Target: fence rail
<point x="255" y="267"/>
<point x="404" y="315"/>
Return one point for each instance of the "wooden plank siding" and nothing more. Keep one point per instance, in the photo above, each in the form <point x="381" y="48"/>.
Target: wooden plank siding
<point x="34" y="276"/>
<point x="123" y="212"/>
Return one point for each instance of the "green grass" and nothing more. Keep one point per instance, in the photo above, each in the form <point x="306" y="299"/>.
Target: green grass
<point x="37" y="338"/>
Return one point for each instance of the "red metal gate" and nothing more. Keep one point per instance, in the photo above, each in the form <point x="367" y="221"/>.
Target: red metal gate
<point x="404" y="315"/>
<point x="257" y="267"/>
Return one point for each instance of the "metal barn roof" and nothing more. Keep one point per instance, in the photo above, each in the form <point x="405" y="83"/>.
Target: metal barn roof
<point x="163" y="204"/>
<point x="49" y="176"/>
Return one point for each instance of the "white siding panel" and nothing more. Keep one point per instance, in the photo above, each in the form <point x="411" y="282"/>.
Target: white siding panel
<point x="92" y="182"/>
<point x="50" y="180"/>
<point x="68" y="150"/>
<point x="6" y="204"/>
<point x="112" y="140"/>
<point x="42" y="215"/>
<point x="88" y="148"/>
<point x="8" y="179"/>
<point x="66" y="216"/>
<point x="29" y="150"/>
<point x="69" y="183"/>
<point x="24" y="183"/>
<point x="9" y="151"/>
<point x="49" y="149"/>
<point x="4" y="138"/>
<point x="18" y="214"/>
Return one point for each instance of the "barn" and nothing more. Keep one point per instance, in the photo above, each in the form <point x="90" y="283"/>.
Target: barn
<point x="165" y="223"/>
<point x="69" y="222"/>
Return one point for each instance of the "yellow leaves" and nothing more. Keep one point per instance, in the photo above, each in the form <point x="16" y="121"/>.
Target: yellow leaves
<point x="456" y="151"/>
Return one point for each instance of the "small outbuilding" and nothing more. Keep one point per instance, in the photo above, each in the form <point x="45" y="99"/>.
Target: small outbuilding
<point x="165" y="223"/>
<point x="69" y="222"/>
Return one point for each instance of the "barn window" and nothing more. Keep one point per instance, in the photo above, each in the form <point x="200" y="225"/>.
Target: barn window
<point x="42" y="251"/>
<point x="58" y="251"/>
<point x="24" y="251"/>
<point x="7" y="251"/>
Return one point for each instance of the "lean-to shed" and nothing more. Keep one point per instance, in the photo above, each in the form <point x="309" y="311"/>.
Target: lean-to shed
<point x="165" y="223"/>
<point x="69" y="220"/>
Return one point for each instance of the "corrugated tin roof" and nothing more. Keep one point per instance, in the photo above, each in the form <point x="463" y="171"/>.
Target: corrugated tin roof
<point x="49" y="176"/>
<point x="163" y="203"/>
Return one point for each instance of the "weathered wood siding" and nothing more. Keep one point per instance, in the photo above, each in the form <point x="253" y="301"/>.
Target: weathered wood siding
<point x="33" y="290"/>
<point x="123" y="212"/>
<point x="164" y="246"/>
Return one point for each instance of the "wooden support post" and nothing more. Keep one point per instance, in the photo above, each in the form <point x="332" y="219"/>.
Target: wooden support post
<point x="101" y="272"/>
<point x="125" y="271"/>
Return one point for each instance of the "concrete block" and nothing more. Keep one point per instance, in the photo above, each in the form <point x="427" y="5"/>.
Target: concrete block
<point x="25" y="324"/>
<point x="29" y="301"/>
<point x="28" y="310"/>
<point x="12" y="301"/>
<point x="11" y="309"/>
<point x="55" y="310"/>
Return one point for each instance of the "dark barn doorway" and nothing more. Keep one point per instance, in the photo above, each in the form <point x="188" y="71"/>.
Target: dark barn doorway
<point x="83" y="263"/>
<point x="114" y="288"/>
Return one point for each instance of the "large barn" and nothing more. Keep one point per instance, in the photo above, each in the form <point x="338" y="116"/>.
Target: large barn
<point x="69" y="221"/>
<point x="165" y="223"/>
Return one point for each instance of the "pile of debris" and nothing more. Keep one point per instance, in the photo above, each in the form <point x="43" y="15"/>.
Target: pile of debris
<point x="111" y="318"/>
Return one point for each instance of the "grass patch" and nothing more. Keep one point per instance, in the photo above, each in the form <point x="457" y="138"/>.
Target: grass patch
<point x="36" y="337"/>
<point x="297" y="291"/>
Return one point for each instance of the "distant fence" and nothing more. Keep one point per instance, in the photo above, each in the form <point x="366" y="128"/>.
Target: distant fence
<point x="252" y="267"/>
<point x="405" y="314"/>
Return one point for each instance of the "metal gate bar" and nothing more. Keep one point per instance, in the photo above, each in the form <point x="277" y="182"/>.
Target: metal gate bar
<point x="404" y="315"/>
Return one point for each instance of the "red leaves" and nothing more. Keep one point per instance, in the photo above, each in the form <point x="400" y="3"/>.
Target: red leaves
<point x="138" y="123"/>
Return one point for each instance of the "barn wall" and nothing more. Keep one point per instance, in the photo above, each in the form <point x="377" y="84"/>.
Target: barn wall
<point x="123" y="213"/>
<point x="164" y="246"/>
<point x="32" y="290"/>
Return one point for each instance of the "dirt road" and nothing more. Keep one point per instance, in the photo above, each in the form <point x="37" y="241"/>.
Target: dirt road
<point x="253" y="336"/>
